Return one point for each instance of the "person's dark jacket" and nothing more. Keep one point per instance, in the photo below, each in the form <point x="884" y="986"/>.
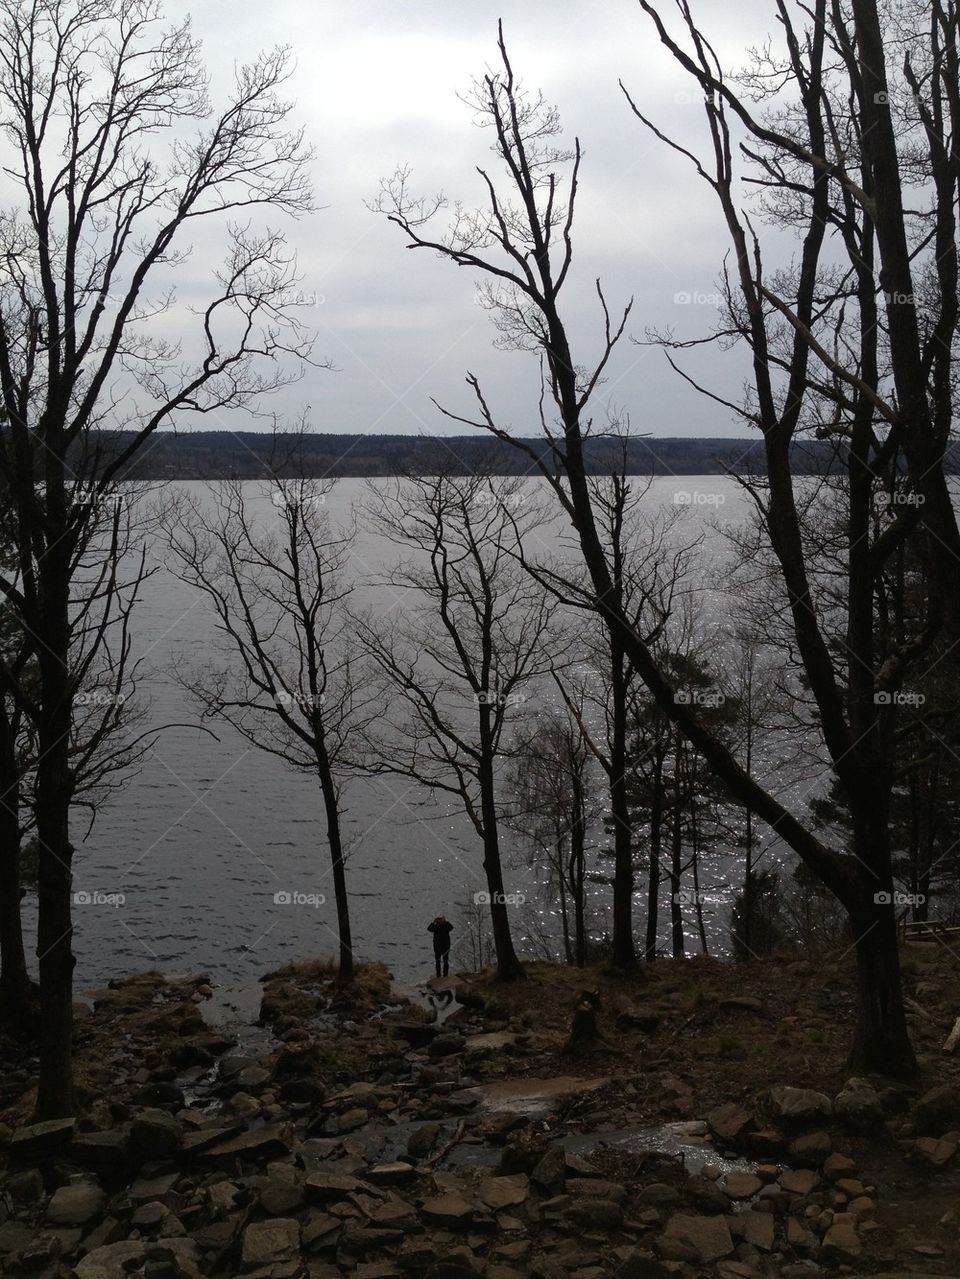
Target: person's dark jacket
<point x="441" y="935"/>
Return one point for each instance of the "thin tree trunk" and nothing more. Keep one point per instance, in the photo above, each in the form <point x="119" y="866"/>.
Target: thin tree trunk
<point x="624" y="951"/>
<point x="509" y="967"/>
<point x="335" y="840"/>
<point x="653" y="876"/>
<point x="15" y="986"/>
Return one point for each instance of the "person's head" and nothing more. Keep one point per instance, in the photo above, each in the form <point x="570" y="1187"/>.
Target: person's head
<point x="440" y="919"/>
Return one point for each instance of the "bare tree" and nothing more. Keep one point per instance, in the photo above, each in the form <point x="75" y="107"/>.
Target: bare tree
<point x="115" y="159"/>
<point x="522" y="245"/>
<point x="473" y="636"/>
<point x="287" y="679"/>
<point x="552" y="810"/>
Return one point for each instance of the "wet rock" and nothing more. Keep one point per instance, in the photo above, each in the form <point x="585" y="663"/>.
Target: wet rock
<point x="704" y="1239"/>
<point x="857" y="1105"/>
<point x="76" y="1205"/>
<point x="270" y="1243"/>
<point x="799" y="1105"/>
<point x="741" y="1185"/>
<point x="938" y="1111"/>
<point x="154" y="1136"/>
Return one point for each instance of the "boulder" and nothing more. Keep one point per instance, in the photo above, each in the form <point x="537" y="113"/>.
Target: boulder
<point x="707" y="1238"/>
<point x="270" y="1243"/>
<point x="729" y="1121"/>
<point x="154" y="1136"/>
<point x="450" y="1210"/>
<point x="741" y="1185"/>
<point x="799" y="1106"/>
<point x="938" y="1111"/>
<point x="811" y="1149"/>
<point x="858" y="1105"/>
<point x="40" y="1141"/>
<point x="841" y="1242"/>
<point x="504" y="1192"/>
<point x="799" y="1181"/>
<point x="79" y="1204"/>
<point x="934" y="1152"/>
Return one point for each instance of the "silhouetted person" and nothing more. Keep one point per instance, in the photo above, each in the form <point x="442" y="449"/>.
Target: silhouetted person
<point x="441" y="930"/>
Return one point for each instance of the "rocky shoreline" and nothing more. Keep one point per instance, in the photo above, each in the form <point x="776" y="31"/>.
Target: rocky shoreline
<point x="378" y="1139"/>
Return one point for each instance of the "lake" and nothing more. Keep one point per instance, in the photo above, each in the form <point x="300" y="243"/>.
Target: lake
<point x="182" y="867"/>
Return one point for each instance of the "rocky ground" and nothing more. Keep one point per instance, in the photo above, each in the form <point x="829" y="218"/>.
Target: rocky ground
<point x="711" y="1131"/>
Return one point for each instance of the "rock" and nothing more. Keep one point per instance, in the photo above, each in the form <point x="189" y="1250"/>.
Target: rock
<point x="746" y="1004"/>
<point x="504" y="1192"/>
<point x="103" y="1151"/>
<point x="857" y="1104"/>
<point x="450" y="1210"/>
<point x="741" y="1185"/>
<point x="160" y="1092"/>
<point x="256" y="1144"/>
<point x="659" y="1193"/>
<point x="113" y="1261"/>
<point x="811" y="1149"/>
<point x="281" y="1196"/>
<point x="40" y="1141"/>
<point x="154" y="1136"/>
<point x="799" y="1105"/>
<point x="707" y="1238"/>
<point x="596" y="1188"/>
<point x="841" y="1242"/>
<point x="799" y="1237"/>
<point x="550" y="1172"/>
<point x="76" y="1205"/>
<point x="838" y="1166"/>
<point x="729" y="1121"/>
<point x="755" y="1228"/>
<point x="25" y="1187"/>
<point x="270" y="1243"/>
<point x="329" y="1187"/>
<point x="932" y="1151"/>
<point x="423" y="1140"/>
<point x="392" y="1174"/>
<point x="446" y="1045"/>
<point x="418" y="1034"/>
<point x="15" y="1236"/>
<point x="605" y="1214"/>
<point x="799" y="1181"/>
<point x="938" y="1111"/>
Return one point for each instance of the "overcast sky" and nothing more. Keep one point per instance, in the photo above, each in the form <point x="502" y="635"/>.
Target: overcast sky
<point x="376" y="83"/>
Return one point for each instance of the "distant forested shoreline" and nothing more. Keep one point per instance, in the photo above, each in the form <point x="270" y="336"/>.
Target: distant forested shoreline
<point x="202" y="455"/>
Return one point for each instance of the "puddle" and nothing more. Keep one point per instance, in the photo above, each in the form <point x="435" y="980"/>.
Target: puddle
<point x="689" y="1140"/>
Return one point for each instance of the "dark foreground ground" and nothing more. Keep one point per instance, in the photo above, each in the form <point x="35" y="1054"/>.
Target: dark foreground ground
<point x="712" y="1130"/>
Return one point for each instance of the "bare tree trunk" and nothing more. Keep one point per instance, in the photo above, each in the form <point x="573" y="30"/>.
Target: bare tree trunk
<point x="881" y="1042"/>
<point x="332" y="808"/>
<point x="564" y="914"/>
<point x="676" y="872"/>
<point x="653" y="876"/>
<point x="624" y="951"/>
<point x="15" y="985"/>
<point x="509" y="967"/>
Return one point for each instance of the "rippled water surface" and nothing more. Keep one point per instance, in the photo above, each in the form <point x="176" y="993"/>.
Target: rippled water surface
<point x="210" y="830"/>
